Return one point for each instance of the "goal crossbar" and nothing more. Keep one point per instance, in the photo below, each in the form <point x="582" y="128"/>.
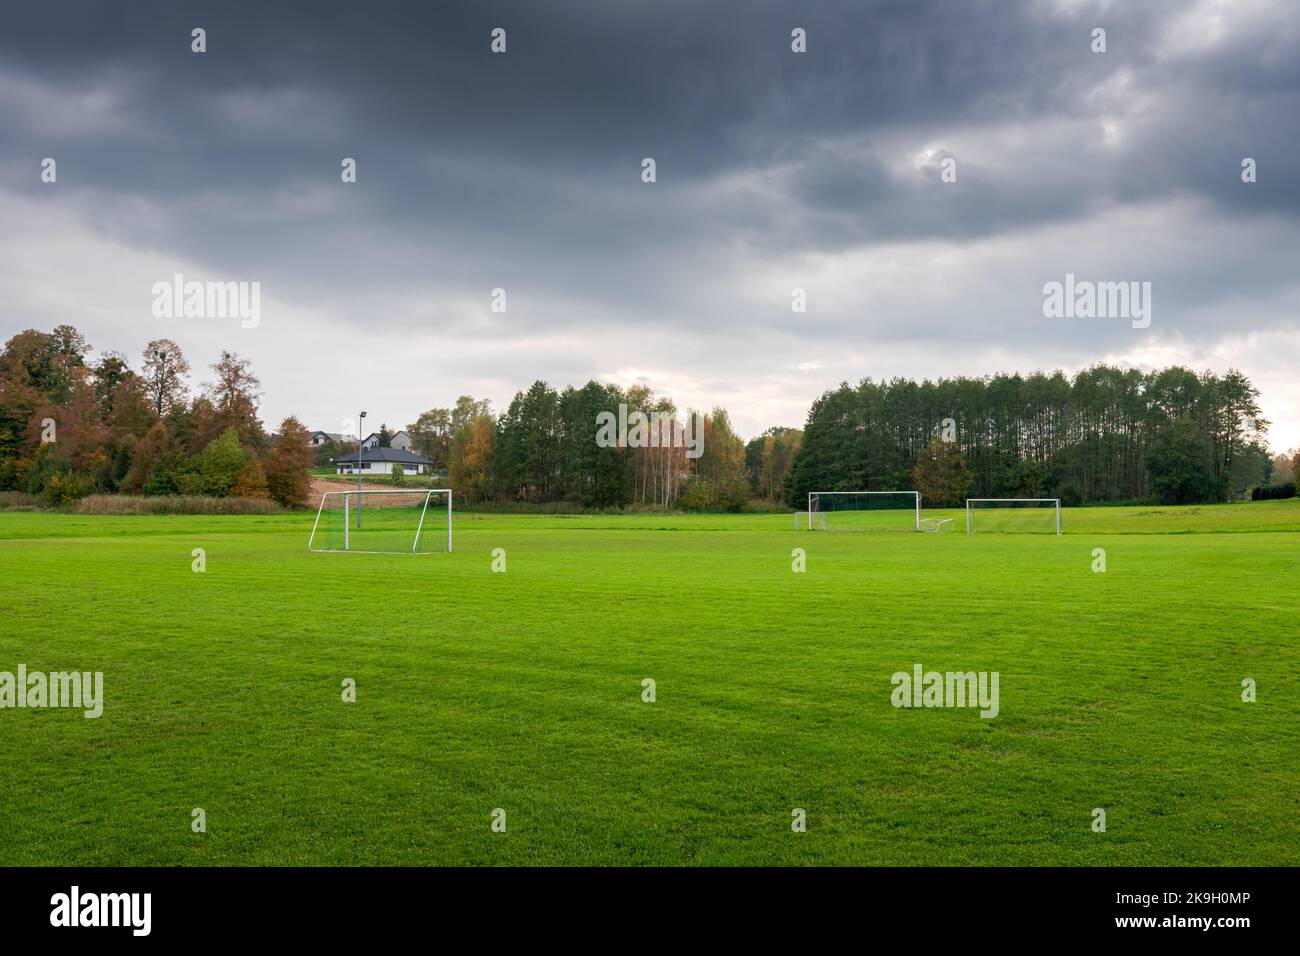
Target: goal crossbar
<point x="346" y="510"/>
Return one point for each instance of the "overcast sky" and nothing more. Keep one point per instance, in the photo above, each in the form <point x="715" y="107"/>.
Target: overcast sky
<point x="775" y="170"/>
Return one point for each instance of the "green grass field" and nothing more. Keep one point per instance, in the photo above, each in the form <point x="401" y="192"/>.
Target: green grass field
<point x="478" y="690"/>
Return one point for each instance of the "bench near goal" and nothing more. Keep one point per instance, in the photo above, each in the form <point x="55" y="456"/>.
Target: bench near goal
<point x="383" y="522"/>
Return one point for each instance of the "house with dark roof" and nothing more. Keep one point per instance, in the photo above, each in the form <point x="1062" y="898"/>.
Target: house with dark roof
<point x="380" y="461"/>
<point x="400" y="439"/>
<point x="316" y="439"/>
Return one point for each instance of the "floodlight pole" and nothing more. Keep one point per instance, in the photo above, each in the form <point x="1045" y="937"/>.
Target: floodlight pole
<point x="360" y="428"/>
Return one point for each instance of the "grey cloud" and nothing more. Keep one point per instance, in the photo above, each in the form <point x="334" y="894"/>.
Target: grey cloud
<point x="523" y="171"/>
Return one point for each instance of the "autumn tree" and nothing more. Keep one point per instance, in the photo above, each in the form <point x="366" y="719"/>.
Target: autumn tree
<point x="940" y="474"/>
<point x="663" y="468"/>
<point x="1284" y="467"/>
<point x="235" y="394"/>
<point x="431" y="434"/>
<point x="69" y="445"/>
<point x="251" y="482"/>
<point x="723" y="455"/>
<point x="108" y="374"/>
<point x="768" y="459"/>
<point x="197" y="425"/>
<point x="288" y="465"/>
<point x="471" y="458"/>
<point x="468" y="408"/>
<point x="124" y="410"/>
<point x="719" y="482"/>
<point x="164" y="374"/>
<point x="40" y="373"/>
<point x="148" y="455"/>
<point x="49" y="363"/>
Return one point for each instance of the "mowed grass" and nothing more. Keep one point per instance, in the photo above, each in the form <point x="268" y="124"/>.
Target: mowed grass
<point x="478" y="690"/>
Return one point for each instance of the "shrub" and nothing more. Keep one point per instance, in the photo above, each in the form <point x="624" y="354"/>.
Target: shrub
<point x="161" y="481"/>
<point x="723" y="495"/>
<point x="190" y="484"/>
<point x="1274" y="492"/>
<point x="1069" y="495"/>
<point x="63" y="488"/>
<point x="173" y="505"/>
<point x="18" y="501"/>
<point x="223" y="461"/>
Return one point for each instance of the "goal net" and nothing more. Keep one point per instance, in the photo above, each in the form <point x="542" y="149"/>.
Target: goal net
<point x="1013" y="515"/>
<point x="864" y="510"/>
<point x="383" y="522"/>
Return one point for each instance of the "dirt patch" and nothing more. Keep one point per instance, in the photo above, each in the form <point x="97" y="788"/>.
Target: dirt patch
<point x="321" y="485"/>
<point x="405" y="497"/>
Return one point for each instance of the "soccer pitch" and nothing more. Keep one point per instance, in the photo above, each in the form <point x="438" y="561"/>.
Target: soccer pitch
<point x="478" y="690"/>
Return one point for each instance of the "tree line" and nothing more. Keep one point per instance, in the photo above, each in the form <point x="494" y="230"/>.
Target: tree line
<point x="70" y="427"/>
<point x="1107" y="434"/>
<point x="547" y="447"/>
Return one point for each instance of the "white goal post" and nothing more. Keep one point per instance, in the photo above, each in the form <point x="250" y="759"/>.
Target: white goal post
<point x="383" y="522"/>
<point x="1013" y="514"/>
<point x="821" y="502"/>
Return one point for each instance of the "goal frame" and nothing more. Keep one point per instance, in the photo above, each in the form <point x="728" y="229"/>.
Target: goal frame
<point x="424" y="510"/>
<point x="916" y="523"/>
<point x="970" y="525"/>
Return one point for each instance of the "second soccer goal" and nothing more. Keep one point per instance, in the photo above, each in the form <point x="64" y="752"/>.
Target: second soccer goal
<point x="383" y="522"/>
<point x="1013" y="515"/>
<point x="864" y="510"/>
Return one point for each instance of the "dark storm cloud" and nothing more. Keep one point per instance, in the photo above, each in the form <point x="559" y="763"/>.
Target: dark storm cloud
<point x="523" y="170"/>
<point x="583" y="81"/>
<point x="444" y="129"/>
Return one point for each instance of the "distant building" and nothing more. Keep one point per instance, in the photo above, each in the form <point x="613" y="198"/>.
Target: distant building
<point x="380" y="461"/>
<point x="400" y="440"/>
<point x="316" y="439"/>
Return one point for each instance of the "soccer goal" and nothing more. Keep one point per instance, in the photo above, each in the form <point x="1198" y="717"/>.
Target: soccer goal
<point x="864" y="510"/>
<point x="1013" y="515"/>
<point x="383" y="522"/>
